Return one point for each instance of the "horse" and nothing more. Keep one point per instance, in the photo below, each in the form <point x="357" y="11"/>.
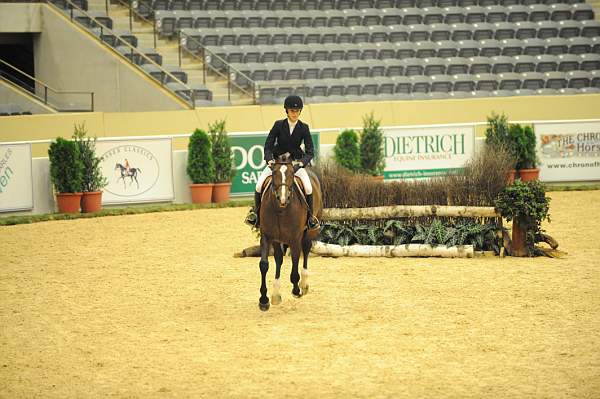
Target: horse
<point x="283" y="222"/>
<point x="132" y="174"/>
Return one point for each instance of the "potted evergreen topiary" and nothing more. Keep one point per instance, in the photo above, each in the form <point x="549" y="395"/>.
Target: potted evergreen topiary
<point x="346" y="150"/>
<point x="526" y="204"/>
<point x="523" y="141"/>
<point x="221" y="153"/>
<point x="371" y="147"/>
<point x="200" y="167"/>
<point x="497" y="137"/>
<point x="93" y="180"/>
<point x="66" y="174"/>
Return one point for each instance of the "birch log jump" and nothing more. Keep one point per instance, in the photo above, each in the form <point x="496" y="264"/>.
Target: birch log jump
<point x="388" y="212"/>
<point x="391" y="251"/>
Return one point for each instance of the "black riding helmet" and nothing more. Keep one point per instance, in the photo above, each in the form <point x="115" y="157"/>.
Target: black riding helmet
<point x="293" y="102"/>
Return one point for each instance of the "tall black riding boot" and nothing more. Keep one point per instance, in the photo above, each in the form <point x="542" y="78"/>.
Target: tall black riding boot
<point x="253" y="218"/>
<point x="313" y="222"/>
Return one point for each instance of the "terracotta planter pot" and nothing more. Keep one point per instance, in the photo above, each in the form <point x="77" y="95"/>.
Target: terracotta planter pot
<point x="519" y="233"/>
<point x="68" y="202"/>
<point x="201" y="193"/>
<point x="511" y="177"/>
<point x="529" y="174"/>
<point x="221" y="192"/>
<point x="91" y="201"/>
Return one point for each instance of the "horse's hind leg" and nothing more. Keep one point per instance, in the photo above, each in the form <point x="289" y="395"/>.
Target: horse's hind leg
<point x="306" y="246"/>
<point x="294" y="276"/>
<point x="263" y="302"/>
<point x="278" y="254"/>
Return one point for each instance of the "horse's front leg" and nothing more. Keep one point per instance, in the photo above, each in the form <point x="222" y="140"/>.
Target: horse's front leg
<point x="306" y="245"/>
<point x="294" y="276"/>
<point x="263" y="302"/>
<point x="278" y="254"/>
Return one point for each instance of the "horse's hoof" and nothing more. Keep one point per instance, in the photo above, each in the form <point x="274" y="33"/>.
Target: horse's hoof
<point x="304" y="290"/>
<point x="276" y="299"/>
<point x="296" y="292"/>
<point x="264" y="306"/>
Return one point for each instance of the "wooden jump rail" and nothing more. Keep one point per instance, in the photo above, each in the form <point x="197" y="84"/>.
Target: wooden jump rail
<point x="388" y="212"/>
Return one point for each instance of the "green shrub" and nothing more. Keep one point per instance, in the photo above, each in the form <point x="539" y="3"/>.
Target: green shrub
<point x="66" y="168"/>
<point x="497" y="131"/>
<point x="93" y="180"/>
<point x="526" y="201"/>
<point x="371" y="146"/>
<point x="523" y="142"/>
<point x="346" y="150"/>
<point x="221" y="152"/>
<point x="200" y="166"/>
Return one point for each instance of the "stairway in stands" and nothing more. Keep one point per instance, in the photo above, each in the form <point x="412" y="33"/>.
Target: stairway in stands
<point x="169" y="52"/>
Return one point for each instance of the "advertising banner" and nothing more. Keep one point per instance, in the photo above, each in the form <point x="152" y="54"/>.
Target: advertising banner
<point x="568" y="151"/>
<point x="136" y="170"/>
<point x="248" y="154"/>
<point x="415" y="153"/>
<point x="16" y="184"/>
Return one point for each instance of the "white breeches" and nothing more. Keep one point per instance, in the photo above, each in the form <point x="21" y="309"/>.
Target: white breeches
<point x="301" y="173"/>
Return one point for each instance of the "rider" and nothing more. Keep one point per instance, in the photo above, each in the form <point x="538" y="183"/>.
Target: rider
<point x="286" y="135"/>
<point x="126" y="165"/>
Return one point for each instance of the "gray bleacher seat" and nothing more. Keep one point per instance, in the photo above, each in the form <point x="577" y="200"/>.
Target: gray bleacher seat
<point x="454" y="15"/>
<point x="369" y="17"/>
<point x="434" y="66"/>
<point x="517" y="13"/>
<point x="502" y="64"/>
<point x="378" y="34"/>
<point x="557" y="45"/>
<point x="534" y="46"/>
<point x="547" y="29"/>
<point x="154" y="71"/>
<point x="579" y="79"/>
<point x="496" y="13"/>
<point x="532" y="80"/>
<point x="589" y="62"/>
<point x="426" y="49"/>
<point x="479" y="65"/>
<point x="483" y="31"/>
<point x="468" y="48"/>
<point x="353" y="17"/>
<point x="441" y="83"/>
<point x="464" y="82"/>
<point x="590" y="28"/>
<point x="394" y="67"/>
<point x="582" y="11"/>
<point x="504" y="30"/>
<point x="405" y="50"/>
<point x="433" y="15"/>
<point x="525" y="30"/>
<point x="414" y="66"/>
<point x="457" y="65"/>
<point x="474" y="14"/>
<point x="546" y="63"/>
<point x="486" y="82"/>
<point x="420" y="84"/>
<point x="398" y="33"/>
<point x="509" y="81"/>
<point x="579" y="45"/>
<point x="418" y="32"/>
<point x="439" y="32"/>
<point x="512" y="47"/>
<point x="555" y="80"/>
<point x="589" y="90"/>
<point x="490" y="48"/>
<point x="406" y="3"/>
<point x="568" y="62"/>
<point x="385" y="85"/>
<point x="538" y="12"/>
<point x="447" y="48"/>
<point x="560" y="12"/>
<point x="569" y="28"/>
<point x="391" y="16"/>
<point x="176" y="72"/>
<point x="412" y="16"/>
<point x="402" y="84"/>
<point x="524" y="63"/>
<point x="461" y="31"/>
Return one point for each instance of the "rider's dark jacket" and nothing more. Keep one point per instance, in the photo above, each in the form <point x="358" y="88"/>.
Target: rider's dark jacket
<point x="279" y="141"/>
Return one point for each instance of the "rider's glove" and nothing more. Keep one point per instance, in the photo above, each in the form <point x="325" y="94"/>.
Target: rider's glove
<point x="297" y="166"/>
<point x="271" y="163"/>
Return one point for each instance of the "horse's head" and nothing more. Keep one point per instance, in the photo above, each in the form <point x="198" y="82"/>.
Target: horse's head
<point x="283" y="180"/>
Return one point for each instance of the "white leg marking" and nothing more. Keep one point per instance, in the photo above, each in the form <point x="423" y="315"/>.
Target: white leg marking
<point x="276" y="297"/>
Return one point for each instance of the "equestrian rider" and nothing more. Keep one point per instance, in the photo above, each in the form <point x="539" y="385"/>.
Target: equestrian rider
<point x="286" y="135"/>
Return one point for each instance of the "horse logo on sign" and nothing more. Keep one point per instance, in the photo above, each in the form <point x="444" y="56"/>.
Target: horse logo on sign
<point x="127" y="171"/>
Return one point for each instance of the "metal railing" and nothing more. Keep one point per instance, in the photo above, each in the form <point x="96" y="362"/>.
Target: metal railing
<point x="59" y="100"/>
<point x="133" y="51"/>
<point x="182" y="39"/>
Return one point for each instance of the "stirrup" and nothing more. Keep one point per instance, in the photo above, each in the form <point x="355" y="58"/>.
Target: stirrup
<point x="313" y="223"/>
<point x="251" y="219"/>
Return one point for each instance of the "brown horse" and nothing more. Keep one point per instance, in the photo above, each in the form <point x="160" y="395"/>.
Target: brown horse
<point x="283" y="217"/>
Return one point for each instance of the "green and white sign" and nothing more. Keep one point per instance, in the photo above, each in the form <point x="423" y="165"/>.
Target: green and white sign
<point x="248" y="158"/>
<point x="415" y="153"/>
<point x="16" y="187"/>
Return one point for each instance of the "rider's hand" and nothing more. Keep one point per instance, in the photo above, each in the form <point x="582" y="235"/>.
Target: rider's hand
<point x="271" y="163"/>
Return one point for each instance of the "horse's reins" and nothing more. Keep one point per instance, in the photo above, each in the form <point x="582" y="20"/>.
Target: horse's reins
<point x="294" y="184"/>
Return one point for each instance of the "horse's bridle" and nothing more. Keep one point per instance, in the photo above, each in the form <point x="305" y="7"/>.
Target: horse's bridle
<point x="274" y="187"/>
